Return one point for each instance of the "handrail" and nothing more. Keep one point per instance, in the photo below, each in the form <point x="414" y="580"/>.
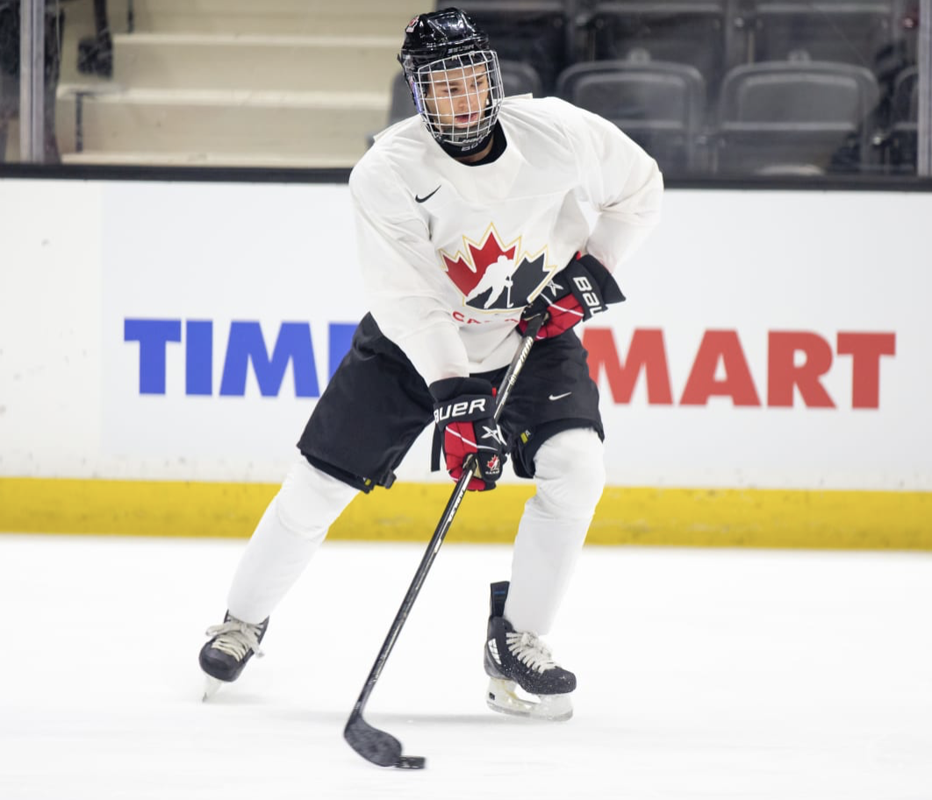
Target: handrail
<point x="32" y="81"/>
<point x="924" y="135"/>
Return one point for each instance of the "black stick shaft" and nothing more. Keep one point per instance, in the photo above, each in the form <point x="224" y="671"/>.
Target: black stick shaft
<point x="508" y="382"/>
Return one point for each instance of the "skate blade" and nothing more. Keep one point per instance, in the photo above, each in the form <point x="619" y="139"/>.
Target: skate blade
<point x="502" y="697"/>
<point x="211" y="687"/>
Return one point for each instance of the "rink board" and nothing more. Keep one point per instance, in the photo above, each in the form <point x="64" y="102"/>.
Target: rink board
<point x="699" y="517"/>
<point x="163" y="344"/>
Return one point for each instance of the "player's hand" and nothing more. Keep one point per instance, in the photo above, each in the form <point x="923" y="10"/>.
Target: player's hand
<point x="583" y="288"/>
<point x="463" y="412"/>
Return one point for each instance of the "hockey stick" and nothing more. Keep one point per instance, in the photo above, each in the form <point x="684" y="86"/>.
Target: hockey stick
<point x="376" y="745"/>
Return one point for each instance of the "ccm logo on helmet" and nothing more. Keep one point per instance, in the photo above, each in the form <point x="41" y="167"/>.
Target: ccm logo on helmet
<point x="411" y="25"/>
<point x="464" y="409"/>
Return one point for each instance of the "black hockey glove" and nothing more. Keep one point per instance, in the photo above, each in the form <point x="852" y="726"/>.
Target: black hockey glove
<point x="463" y="412"/>
<point x="583" y="288"/>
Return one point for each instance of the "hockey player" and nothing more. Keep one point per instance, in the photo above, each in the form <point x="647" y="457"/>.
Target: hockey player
<point x="470" y="215"/>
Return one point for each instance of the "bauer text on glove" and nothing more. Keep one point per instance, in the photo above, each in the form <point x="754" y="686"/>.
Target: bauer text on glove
<point x="463" y="412"/>
<point x="573" y="295"/>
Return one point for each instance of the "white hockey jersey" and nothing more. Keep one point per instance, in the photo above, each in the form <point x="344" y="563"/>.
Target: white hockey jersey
<point x="452" y="253"/>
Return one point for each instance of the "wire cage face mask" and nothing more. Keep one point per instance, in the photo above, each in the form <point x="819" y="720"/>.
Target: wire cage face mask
<point x="459" y="96"/>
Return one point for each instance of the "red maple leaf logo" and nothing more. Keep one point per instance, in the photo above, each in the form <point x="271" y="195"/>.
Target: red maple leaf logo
<point x="496" y="277"/>
<point x="466" y="272"/>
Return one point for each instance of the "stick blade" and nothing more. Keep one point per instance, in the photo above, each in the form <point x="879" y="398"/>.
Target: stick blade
<point x="377" y="746"/>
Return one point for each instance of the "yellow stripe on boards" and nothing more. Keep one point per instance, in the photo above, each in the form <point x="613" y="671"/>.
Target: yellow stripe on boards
<point x="410" y="512"/>
<point x="765" y="518"/>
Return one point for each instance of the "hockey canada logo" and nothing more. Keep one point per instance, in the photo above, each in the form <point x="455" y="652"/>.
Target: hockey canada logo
<point x="497" y="277"/>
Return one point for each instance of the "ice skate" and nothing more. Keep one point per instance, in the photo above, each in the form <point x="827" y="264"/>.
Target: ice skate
<point x="518" y="659"/>
<point x="232" y="644"/>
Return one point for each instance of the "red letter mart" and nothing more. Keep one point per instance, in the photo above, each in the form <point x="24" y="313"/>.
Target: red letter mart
<point x="795" y="360"/>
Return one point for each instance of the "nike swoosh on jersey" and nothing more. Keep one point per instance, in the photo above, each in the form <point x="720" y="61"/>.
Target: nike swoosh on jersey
<point x="425" y="199"/>
<point x="560" y="396"/>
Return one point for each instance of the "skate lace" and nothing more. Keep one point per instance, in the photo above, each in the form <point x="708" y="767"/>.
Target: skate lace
<point x="236" y="638"/>
<point x="530" y="650"/>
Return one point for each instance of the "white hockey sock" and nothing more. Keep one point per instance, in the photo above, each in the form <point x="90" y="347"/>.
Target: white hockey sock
<point x="570" y="476"/>
<point x="289" y="533"/>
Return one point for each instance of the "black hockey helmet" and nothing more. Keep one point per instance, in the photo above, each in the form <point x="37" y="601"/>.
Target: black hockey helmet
<point x="440" y="34"/>
<point x="449" y="42"/>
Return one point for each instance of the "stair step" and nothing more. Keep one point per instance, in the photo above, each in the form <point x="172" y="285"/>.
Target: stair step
<point x="134" y="158"/>
<point x="315" y="17"/>
<point x="308" y="125"/>
<point x="255" y="62"/>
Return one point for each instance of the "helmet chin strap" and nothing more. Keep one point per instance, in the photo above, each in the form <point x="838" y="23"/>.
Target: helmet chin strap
<point x="460" y="151"/>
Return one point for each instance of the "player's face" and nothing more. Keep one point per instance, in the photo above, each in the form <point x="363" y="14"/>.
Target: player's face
<point x="457" y="98"/>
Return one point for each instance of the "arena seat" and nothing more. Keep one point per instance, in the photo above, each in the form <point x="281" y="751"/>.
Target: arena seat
<point x="703" y="33"/>
<point x="795" y="117"/>
<point x="903" y="141"/>
<point x="848" y="31"/>
<point x="658" y="104"/>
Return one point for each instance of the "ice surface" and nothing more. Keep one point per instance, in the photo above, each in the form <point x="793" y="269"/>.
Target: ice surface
<point x="702" y="674"/>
